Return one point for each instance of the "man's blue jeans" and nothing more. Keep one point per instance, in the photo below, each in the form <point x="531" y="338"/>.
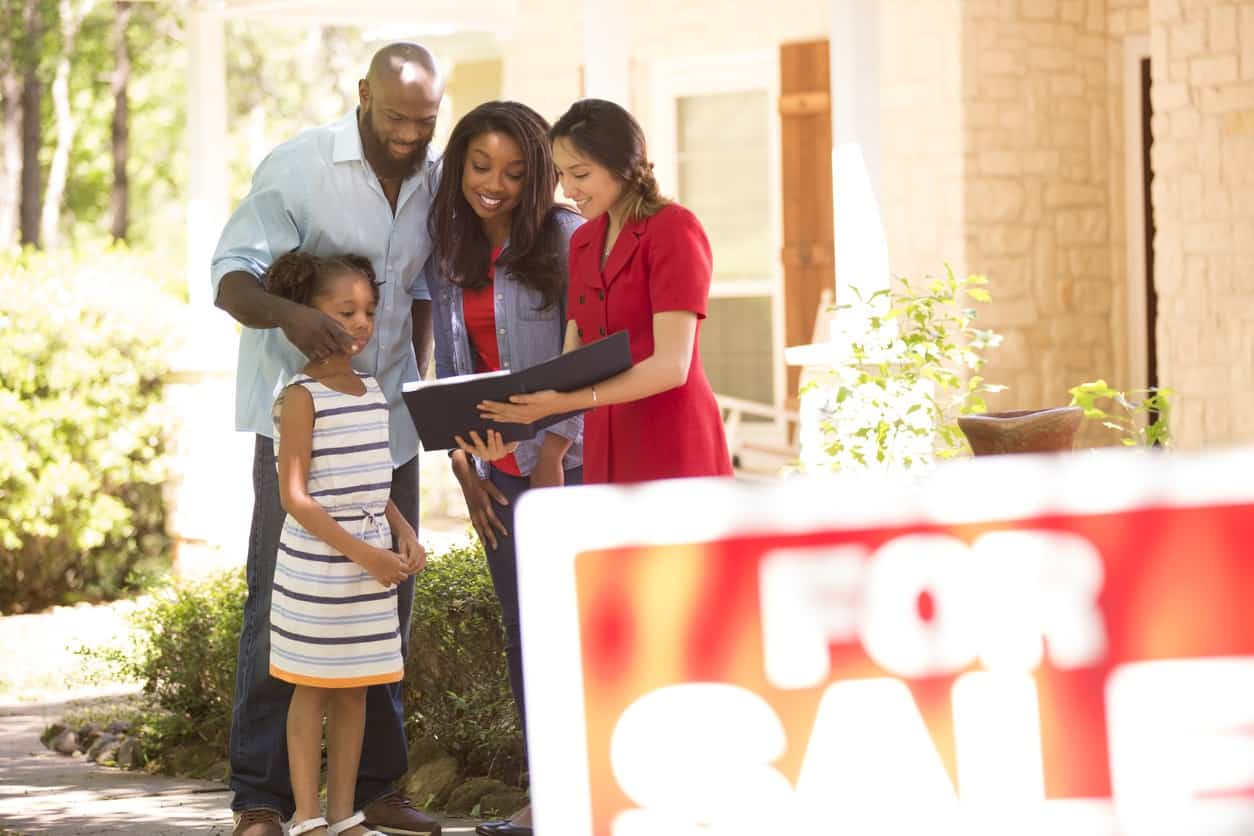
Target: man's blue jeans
<point x="259" y="769"/>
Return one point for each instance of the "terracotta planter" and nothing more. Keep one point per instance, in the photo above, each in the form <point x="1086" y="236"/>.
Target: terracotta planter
<point x="1023" y="431"/>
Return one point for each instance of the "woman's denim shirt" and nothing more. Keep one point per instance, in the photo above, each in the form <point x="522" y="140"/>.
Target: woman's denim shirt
<point x="526" y="334"/>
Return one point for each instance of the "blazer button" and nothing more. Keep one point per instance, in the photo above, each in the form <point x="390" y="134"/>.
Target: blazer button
<point x="581" y="298"/>
<point x="579" y="331"/>
<point x="601" y="295"/>
<point x="602" y="332"/>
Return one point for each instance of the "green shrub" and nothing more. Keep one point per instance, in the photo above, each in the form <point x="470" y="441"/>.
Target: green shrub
<point x="456" y="688"/>
<point x="84" y="343"/>
<point x="184" y="647"/>
<point x="457" y="684"/>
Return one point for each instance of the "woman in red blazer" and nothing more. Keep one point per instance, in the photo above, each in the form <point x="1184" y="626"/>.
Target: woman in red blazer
<point x="642" y="264"/>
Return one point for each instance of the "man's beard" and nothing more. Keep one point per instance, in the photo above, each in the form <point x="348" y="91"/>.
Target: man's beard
<point x="381" y="160"/>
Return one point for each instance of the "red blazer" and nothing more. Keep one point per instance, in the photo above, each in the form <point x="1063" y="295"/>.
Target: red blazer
<point x="660" y="263"/>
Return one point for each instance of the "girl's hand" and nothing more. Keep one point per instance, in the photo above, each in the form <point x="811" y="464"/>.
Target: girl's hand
<point x="413" y="555"/>
<point x="522" y="409"/>
<point x="385" y="566"/>
<point x="481" y="498"/>
<point x="491" y="450"/>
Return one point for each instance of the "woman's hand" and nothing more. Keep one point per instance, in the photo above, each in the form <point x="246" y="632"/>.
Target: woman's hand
<point x="489" y="451"/>
<point x="523" y="409"/>
<point x="413" y="555"/>
<point x="385" y="566"/>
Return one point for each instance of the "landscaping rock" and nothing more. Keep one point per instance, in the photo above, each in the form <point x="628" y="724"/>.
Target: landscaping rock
<point x="105" y="749"/>
<point x="464" y="797"/>
<point x="504" y="803"/>
<point x="88" y="735"/>
<point x="430" y="783"/>
<point x="425" y="750"/>
<point x="119" y="727"/>
<point x="65" y="743"/>
<point x="130" y="754"/>
<point x="219" y="771"/>
<point x="190" y="760"/>
<point x="51" y="733"/>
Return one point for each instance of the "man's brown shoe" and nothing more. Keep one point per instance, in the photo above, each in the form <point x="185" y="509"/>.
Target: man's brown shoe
<point x="258" y="822"/>
<point x="395" y="814"/>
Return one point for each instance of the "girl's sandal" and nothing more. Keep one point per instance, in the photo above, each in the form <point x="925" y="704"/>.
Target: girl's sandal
<point x="349" y="823"/>
<point x="306" y="826"/>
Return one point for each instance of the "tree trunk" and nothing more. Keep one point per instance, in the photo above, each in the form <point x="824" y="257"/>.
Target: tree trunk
<point x="120" y="202"/>
<point x="50" y="219"/>
<point x="11" y="153"/>
<point x="32" y="98"/>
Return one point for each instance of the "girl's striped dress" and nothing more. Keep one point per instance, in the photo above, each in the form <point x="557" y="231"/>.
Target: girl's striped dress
<point x="331" y="624"/>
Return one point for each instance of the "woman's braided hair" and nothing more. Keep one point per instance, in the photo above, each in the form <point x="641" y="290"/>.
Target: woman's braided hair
<point x="606" y="133"/>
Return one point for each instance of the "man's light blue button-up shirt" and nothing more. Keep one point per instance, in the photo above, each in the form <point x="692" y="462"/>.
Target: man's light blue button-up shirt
<point x="316" y="193"/>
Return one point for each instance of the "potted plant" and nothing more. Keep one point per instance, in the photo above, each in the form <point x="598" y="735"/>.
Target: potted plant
<point x="914" y="365"/>
<point x="1142" y="417"/>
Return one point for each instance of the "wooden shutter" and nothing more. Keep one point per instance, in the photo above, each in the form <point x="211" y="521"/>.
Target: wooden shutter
<point x="808" y="256"/>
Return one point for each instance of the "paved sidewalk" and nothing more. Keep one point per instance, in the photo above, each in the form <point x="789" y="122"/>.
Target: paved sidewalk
<point x="43" y="792"/>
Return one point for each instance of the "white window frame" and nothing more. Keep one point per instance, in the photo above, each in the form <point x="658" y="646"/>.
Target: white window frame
<point x="703" y="75"/>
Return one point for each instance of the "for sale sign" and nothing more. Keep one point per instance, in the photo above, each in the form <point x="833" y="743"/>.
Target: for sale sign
<point x="1012" y="645"/>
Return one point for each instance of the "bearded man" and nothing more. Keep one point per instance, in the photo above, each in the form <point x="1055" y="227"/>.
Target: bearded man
<point x="361" y="185"/>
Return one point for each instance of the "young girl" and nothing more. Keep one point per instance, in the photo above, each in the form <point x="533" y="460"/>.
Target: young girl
<point x="334" y="628"/>
<point x="499" y="301"/>
<point x="642" y="264"/>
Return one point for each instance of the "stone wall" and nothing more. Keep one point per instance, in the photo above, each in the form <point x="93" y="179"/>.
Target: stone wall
<point x="1203" y="159"/>
<point x="923" y="144"/>
<point x="1038" y="169"/>
<point x="1125" y="19"/>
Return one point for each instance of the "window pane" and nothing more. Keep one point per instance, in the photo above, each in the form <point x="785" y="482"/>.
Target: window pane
<point x="736" y="348"/>
<point x="724" y="178"/>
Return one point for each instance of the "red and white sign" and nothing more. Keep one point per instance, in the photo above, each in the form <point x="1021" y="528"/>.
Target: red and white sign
<point x="1011" y="645"/>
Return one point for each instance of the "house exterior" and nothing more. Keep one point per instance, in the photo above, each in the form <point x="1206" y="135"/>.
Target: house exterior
<point x="1005" y="137"/>
<point x="1095" y="158"/>
<point x="1011" y="143"/>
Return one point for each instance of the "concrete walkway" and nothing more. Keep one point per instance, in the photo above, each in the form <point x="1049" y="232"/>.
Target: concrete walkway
<point x="43" y="792"/>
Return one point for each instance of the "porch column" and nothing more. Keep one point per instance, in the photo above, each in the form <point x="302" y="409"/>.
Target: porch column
<point x="857" y="187"/>
<point x="208" y="501"/>
<point x="206" y="142"/>
<point x="605" y="51"/>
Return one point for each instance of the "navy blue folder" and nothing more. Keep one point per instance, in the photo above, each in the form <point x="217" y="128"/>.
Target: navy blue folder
<point x="444" y="408"/>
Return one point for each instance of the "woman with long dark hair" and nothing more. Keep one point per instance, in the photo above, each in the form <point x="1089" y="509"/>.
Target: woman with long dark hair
<point x="642" y="264"/>
<point x="499" y="302"/>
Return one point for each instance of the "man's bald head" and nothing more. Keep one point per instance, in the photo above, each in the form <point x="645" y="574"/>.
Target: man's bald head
<point x="404" y="63"/>
<point x="400" y="97"/>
